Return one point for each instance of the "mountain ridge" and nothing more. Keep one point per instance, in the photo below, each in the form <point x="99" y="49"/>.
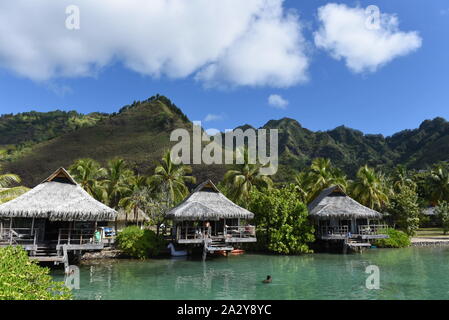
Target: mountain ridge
<point x="33" y="144"/>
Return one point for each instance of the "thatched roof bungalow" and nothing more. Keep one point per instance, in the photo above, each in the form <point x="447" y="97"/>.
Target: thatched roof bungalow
<point x="57" y="198"/>
<point x="209" y="213"/>
<point x="56" y="212"/>
<point x="125" y="218"/>
<point x="335" y="213"/>
<point x="207" y="203"/>
<point x="334" y="203"/>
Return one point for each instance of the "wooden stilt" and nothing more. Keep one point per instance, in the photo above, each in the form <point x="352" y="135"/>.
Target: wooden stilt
<point x="10" y="230"/>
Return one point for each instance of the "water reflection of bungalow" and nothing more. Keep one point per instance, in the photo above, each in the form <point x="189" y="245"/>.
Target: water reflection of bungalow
<point x="54" y="218"/>
<point x="207" y="217"/>
<point x="339" y="217"/>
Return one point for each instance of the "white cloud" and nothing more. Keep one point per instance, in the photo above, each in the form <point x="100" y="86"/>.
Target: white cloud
<point x="277" y="101"/>
<point x="233" y="42"/>
<point x="212" y="131"/>
<point x="343" y="32"/>
<point x="213" y="117"/>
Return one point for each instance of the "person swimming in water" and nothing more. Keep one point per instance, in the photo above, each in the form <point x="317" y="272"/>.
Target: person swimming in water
<point x="267" y="280"/>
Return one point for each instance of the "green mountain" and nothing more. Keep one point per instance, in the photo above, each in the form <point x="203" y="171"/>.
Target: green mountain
<point x="33" y="144"/>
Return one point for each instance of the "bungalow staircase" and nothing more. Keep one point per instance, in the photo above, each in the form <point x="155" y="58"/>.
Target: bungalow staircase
<point x="48" y="253"/>
<point x="355" y="244"/>
<point x="45" y="251"/>
<point x="215" y="244"/>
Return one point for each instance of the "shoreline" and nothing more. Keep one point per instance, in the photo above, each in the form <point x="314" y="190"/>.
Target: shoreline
<point x="429" y="241"/>
<point x="116" y="254"/>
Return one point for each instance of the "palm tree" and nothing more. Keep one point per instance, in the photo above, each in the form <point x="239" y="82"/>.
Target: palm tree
<point x="302" y="185"/>
<point x="323" y="175"/>
<point x="117" y="182"/>
<point x="174" y="176"/>
<point x="439" y="183"/>
<point x="244" y="178"/>
<point x="7" y="192"/>
<point x="135" y="196"/>
<point x="369" y="189"/>
<point x="88" y="172"/>
<point x="400" y="177"/>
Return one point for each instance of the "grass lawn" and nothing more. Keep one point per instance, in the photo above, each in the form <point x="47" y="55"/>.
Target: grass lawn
<point x="431" y="232"/>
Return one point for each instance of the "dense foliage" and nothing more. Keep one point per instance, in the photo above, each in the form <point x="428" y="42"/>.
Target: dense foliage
<point x="282" y="221"/>
<point x="442" y="212"/>
<point x="139" y="243"/>
<point x="243" y="178"/>
<point x="40" y="126"/>
<point x="9" y="188"/>
<point x="22" y="279"/>
<point x="397" y="239"/>
<point x="404" y="209"/>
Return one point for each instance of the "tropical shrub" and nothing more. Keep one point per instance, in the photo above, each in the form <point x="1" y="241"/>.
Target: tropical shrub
<point x="139" y="243"/>
<point x="397" y="239"/>
<point x="282" y="221"/>
<point x="442" y="212"/>
<point x="22" y="279"/>
<point x="404" y="209"/>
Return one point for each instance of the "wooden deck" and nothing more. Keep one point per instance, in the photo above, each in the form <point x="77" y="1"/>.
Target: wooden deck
<point x="48" y="259"/>
<point x="365" y="232"/>
<point x="358" y="244"/>
<point x="227" y="240"/>
<point x="230" y="234"/>
<point x="353" y="236"/>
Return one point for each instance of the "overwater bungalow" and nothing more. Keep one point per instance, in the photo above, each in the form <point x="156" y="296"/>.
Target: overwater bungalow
<point x="339" y="218"/>
<point x="134" y="218"/>
<point x="208" y="218"/>
<point x="55" y="218"/>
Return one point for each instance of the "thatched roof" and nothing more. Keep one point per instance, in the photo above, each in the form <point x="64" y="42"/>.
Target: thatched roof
<point x="334" y="203"/>
<point x="207" y="203"/>
<point x="58" y="197"/>
<point x="129" y="216"/>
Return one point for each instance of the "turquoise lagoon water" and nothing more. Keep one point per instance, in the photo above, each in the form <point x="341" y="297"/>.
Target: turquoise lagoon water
<point x="411" y="273"/>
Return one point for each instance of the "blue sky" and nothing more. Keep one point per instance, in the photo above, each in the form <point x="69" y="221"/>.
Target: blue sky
<point x="376" y="98"/>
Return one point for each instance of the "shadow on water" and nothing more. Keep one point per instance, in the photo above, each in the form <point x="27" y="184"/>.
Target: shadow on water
<point x="411" y="273"/>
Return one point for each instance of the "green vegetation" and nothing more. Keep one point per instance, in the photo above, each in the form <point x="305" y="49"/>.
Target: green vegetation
<point x="282" y="221"/>
<point x="244" y="178"/>
<point x="7" y="189"/>
<point x="318" y="177"/>
<point x="430" y="232"/>
<point x="405" y="210"/>
<point x="119" y="187"/>
<point x="397" y="239"/>
<point x="370" y="189"/>
<point x="120" y="161"/>
<point x="40" y="126"/>
<point x="442" y="212"/>
<point x="88" y="172"/>
<point x="22" y="279"/>
<point x="174" y="177"/>
<point x="139" y="243"/>
<point x="21" y="132"/>
<point x="139" y="133"/>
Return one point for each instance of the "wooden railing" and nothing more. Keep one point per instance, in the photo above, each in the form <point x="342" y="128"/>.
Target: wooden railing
<point x="373" y="229"/>
<point x="240" y="231"/>
<point x="76" y="236"/>
<point x="18" y="236"/>
<point x="190" y="233"/>
<point x="330" y="231"/>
